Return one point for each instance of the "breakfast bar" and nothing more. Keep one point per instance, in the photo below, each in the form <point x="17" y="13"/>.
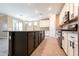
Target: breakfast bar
<point x="23" y="43"/>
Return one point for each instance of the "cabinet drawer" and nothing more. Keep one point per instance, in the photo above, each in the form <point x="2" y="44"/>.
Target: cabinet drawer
<point x="73" y="36"/>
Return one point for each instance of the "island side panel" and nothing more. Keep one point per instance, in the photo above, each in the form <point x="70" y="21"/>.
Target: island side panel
<point x="23" y="43"/>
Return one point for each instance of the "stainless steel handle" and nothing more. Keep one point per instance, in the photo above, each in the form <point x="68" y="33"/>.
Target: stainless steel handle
<point x="72" y="37"/>
<point x="72" y="44"/>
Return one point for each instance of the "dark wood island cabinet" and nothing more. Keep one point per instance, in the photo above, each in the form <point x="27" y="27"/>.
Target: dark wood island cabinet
<point x="23" y="43"/>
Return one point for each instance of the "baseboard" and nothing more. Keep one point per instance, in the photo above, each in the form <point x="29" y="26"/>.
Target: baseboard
<point x="64" y="51"/>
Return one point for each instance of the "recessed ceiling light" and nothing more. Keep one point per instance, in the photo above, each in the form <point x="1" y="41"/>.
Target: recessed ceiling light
<point x="36" y="11"/>
<point x="49" y="9"/>
<point x="35" y="23"/>
<point x="29" y="23"/>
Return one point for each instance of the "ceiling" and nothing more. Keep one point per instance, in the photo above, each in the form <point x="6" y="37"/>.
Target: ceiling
<point x="30" y="11"/>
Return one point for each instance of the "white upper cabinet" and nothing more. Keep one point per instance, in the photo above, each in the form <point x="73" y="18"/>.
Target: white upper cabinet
<point x="67" y="7"/>
<point x="62" y="14"/>
<point x="75" y="9"/>
<point x="71" y="11"/>
<point x="72" y="8"/>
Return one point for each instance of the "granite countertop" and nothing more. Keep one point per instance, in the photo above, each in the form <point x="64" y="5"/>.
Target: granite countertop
<point x="22" y="31"/>
<point x="67" y="30"/>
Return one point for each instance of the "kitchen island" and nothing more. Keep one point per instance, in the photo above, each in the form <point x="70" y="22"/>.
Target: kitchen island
<point x="23" y="43"/>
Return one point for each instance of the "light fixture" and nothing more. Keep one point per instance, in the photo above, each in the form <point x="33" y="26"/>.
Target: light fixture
<point x="30" y="24"/>
<point x="35" y="23"/>
<point x="49" y="9"/>
<point x="36" y="11"/>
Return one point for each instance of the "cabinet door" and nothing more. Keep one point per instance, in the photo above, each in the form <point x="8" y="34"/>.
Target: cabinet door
<point x="20" y="43"/>
<point x="65" y="39"/>
<point x="36" y="39"/>
<point x="75" y="9"/>
<point x="70" y="49"/>
<point x="64" y="42"/>
<point x="75" y="49"/>
<point x="43" y="35"/>
<point x="67" y="7"/>
<point x="71" y="11"/>
<point x="30" y="42"/>
<point x="75" y="35"/>
<point x="40" y="36"/>
<point x="70" y="42"/>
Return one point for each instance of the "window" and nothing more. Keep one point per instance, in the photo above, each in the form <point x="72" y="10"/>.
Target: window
<point x="15" y="25"/>
<point x="20" y="26"/>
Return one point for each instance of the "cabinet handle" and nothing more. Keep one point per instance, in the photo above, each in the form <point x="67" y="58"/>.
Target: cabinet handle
<point x="72" y="44"/>
<point x="72" y="37"/>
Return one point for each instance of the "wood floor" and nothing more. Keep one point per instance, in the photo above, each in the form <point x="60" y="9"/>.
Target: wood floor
<point x="49" y="47"/>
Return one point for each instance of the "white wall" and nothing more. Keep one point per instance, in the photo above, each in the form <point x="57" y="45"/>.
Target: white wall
<point x="44" y="23"/>
<point x="3" y="26"/>
<point x="52" y="26"/>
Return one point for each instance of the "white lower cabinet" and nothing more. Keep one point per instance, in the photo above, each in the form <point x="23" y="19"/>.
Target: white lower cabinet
<point x="64" y="41"/>
<point x="70" y="50"/>
<point x="75" y="44"/>
<point x="70" y="43"/>
<point x="75" y="49"/>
